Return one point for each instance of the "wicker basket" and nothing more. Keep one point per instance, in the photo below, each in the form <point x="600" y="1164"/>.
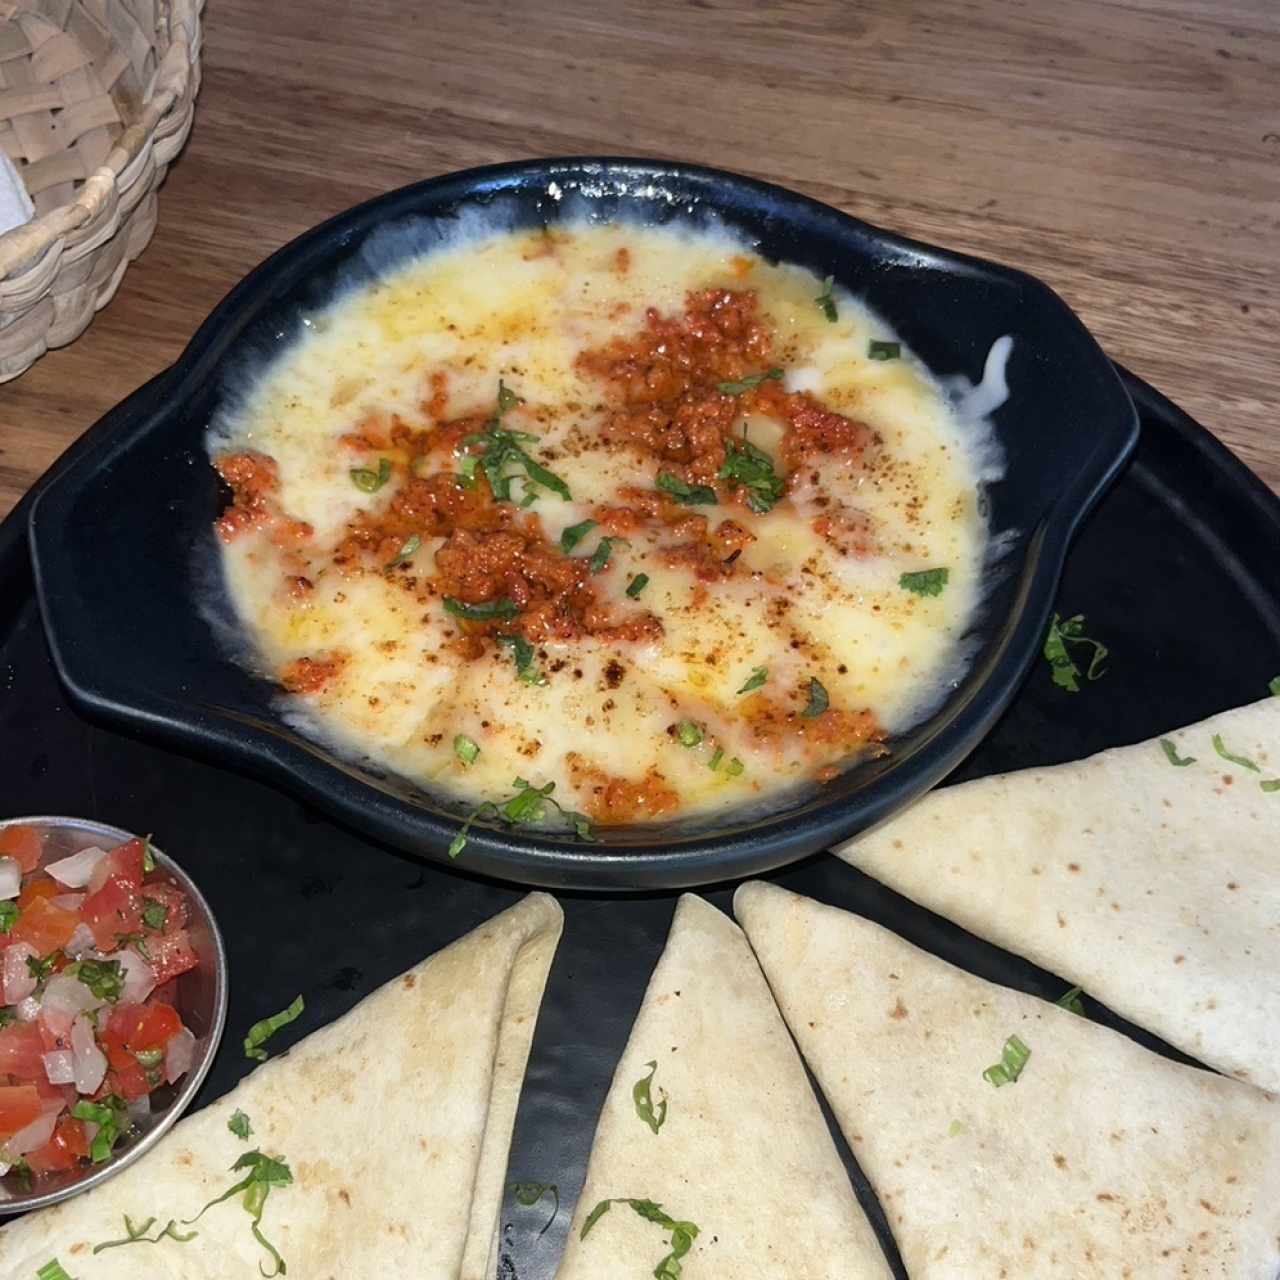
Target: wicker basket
<point x="96" y="98"/>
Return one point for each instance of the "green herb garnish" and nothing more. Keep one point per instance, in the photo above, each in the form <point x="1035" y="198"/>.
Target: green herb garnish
<point x="1071" y="1001"/>
<point x="690" y="495"/>
<point x="925" y="582"/>
<point x="8" y="1016"/>
<point x="239" y="1125"/>
<point x="1171" y="754"/>
<point x="877" y="349"/>
<point x="755" y="680"/>
<point x="490" y="611"/>
<point x="148" y="856"/>
<point x="640" y="1095"/>
<point x="264" y="1173"/>
<point x="21" y="1170"/>
<point x="526" y="807"/>
<point x="41" y="969"/>
<point x="154" y="914"/>
<point x="818" y="701"/>
<point x="523" y="654"/>
<point x="9" y="913"/>
<point x="600" y="557"/>
<point x="466" y="749"/>
<point x="574" y="534"/>
<point x="138" y="1235"/>
<point x="368" y="480"/>
<point x="637" y="585"/>
<point x="529" y="1193"/>
<point x="826" y="301"/>
<point x="52" y="1270"/>
<point x="149" y="1058"/>
<point x="262" y="1031"/>
<point x="735" y="767"/>
<point x="714" y="762"/>
<point x="1066" y="675"/>
<point x="503" y="449"/>
<point x="1243" y="761"/>
<point x="752" y="468"/>
<point x="1274" y="686"/>
<point x="683" y="1234"/>
<point x="688" y="733"/>
<point x="749" y="383"/>
<point x="1270" y="784"/>
<point x="407" y="551"/>
<point x="1012" y="1059"/>
<point x="105" y="978"/>
<point x="111" y="1115"/>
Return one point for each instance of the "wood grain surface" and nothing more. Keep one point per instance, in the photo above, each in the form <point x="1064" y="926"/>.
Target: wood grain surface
<point x="1128" y="153"/>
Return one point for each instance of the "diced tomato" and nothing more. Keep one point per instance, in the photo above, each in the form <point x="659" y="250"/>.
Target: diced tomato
<point x="176" y="904"/>
<point x="22" y="843"/>
<point x="129" y="1082"/>
<point x="113" y="910"/>
<point x="171" y="954"/>
<point x="55" y="1029"/>
<point x="68" y="1146"/>
<point x="125" y="861"/>
<point x="21" y="1051"/>
<point x="45" y="927"/>
<point x="45" y="887"/>
<point x="156" y="1026"/>
<point x="64" y="1093"/>
<point x="20" y="1104"/>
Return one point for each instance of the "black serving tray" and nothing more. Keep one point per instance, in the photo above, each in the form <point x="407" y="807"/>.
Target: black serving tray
<point x="1175" y="571"/>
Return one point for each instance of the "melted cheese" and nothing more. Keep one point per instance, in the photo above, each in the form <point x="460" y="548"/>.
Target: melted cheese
<point x="523" y="307"/>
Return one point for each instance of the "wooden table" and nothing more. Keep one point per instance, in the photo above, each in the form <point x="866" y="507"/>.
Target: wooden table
<point x="1127" y="152"/>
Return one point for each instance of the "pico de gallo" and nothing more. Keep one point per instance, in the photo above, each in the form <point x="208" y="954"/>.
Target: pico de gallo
<point x="91" y="946"/>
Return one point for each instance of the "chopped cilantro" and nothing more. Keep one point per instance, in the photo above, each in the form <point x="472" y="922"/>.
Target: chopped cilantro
<point x="1171" y="754"/>
<point x="490" y="611"/>
<point x="878" y="349"/>
<point x="1066" y="675"/>
<point x="1274" y="686"/>
<point x="105" y="978"/>
<point x="749" y="383"/>
<point x="1270" y="784"/>
<point x="239" y="1125"/>
<point x="683" y="1234"/>
<point x="688" y="733"/>
<point x="637" y="585"/>
<point x="826" y="301"/>
<point x="600" y="557"/>
<point x="148" y="856"/>
<point x="1012" y="1059"/>
<point x="1070" y="1000"/>
<point x="528" y="806"/>
<point x="925" y="582"/>
<point x="818" y="701"/>
<point x="574" y="534"/>
<point x="154" y="914"/>
<point x="264" y="1173"/>
<point x="690" y="495"/>
<point x="503" y="449"/>
<point x="262" y="1031"/>
<point x="52" y="1270"/>
<point x="367" y="480"/>
<point x="111" y="1115"/>
<point x="752" y="468"/>
<point x="643" y="1100"/>
<point x="523" y="654"/>
<point x="755" y="680"/>
<point x="1243" y="761"/>
<point x="138" y="1235"/>
<point x="9" y="913"/>
<point x="41" y="969"/>
<point x="466" y="749"/>
<point x="409" y="548"/>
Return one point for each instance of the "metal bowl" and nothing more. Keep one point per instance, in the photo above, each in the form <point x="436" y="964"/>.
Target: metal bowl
<point x="202" y="1001"/>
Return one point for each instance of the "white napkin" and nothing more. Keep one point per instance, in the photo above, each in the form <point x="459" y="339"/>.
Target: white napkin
<point x="15" y="204"/>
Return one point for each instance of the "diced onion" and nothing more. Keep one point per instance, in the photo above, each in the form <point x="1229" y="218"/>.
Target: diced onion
<point x="60" y="1066"/>
<point x="34" y="1136"/>
<point x="10" y="878"/>
<point x="139" y="980"/>
<point x="179" y="1054"/>
<point x="68" y="901"/>
<point x="28" y="1010"/>
<point x="67" y="995"/>
<point x="75" y="871"/>
<point x="81" y="940"/>
<point x="90" y="1062"/>
<point x="16" y="978"/>
<point x="140" y="1109"/>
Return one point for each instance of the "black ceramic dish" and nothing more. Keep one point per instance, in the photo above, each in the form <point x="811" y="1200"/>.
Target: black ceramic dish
<point x="115" y="536"/>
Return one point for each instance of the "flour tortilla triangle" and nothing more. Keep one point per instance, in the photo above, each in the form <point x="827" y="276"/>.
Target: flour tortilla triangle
<point x="744" y="1152"/>
<point x="395" y="1120"/>
<point x="1101" y="1160"/>
<point x="1156" y="888"/>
